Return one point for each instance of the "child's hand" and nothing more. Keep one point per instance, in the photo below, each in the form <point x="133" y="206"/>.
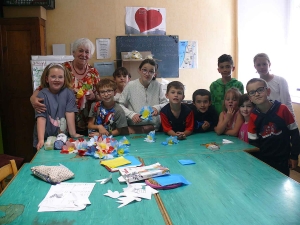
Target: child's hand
<point x="180" y="135"/>
<point x="205" y="125"/>
<point x="76" y="136"/>
<point x="229" y="114"/>
<point x="155" y="112"/>
<point x="102" y="130"/>
<point x="40" y="144"/>
<point x="136" y="118"/>
<point x="92" y="134"/>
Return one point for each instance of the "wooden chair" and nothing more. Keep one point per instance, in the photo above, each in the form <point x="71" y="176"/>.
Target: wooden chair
<point x="5" y="171"/>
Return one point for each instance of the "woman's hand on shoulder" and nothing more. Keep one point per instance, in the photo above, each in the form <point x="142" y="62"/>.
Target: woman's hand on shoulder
<point x="91" y="96"/>
<point x="37" y="104"/>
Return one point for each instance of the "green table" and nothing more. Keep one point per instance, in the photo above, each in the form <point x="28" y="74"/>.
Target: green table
<point x="194" y="144"/>
<point x="230" y="188"/>
<point x="26" y="191"/>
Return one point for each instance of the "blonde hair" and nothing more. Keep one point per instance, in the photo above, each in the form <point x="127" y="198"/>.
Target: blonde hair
<point x="67" y="75"/>
<point x="235" y="92"/>
<point x="263" y="55"/>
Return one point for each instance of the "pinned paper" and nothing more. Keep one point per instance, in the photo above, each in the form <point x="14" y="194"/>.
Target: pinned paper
<point x="186" y="161"/>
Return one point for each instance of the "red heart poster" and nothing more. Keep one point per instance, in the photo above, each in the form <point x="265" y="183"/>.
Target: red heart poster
<point x="140" y="20"/>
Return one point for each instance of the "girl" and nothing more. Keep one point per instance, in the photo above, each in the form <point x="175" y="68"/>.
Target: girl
<point x="60" y="103"/>
<point x="145" y="91"/>
<point x="121" y="77"/>
<point x="246" y="107"/>
<point x="278" y="85"/>
<point x="230" y="120"/>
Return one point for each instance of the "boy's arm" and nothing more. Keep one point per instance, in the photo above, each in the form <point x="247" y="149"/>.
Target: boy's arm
<point x="70" y="117"/>
<point x="252" y="135"/>
<point x="100" y="127"/>
<point x="238" y="123"/>
<point x="41" y="126"/>
<point x="166" y="124"/>
<point x="189" y="124"/>
<point x="121" y="122"/>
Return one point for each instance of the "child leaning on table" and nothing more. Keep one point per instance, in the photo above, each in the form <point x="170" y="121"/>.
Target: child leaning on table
<point x="177" y="119"/>
<point x="272" y="128"/>
<point x="246" y="107"/>
<point x="205" y="115"/>
<point x="230" y="120"/>
<point x="106" y="117"/>
<point x="60" y="103"/>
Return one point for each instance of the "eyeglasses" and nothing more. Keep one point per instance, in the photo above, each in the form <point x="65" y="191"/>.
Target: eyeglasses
<point x="258" y="90"/>
<point x="144" y="71"/>
<point x="53" y="78"/>
<point x="109" y="92"/>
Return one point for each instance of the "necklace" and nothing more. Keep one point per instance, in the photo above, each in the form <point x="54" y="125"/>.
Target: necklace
<point x="76" y="70"/>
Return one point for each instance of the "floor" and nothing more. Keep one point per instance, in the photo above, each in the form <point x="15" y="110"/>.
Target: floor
<point x="295" y="174"/>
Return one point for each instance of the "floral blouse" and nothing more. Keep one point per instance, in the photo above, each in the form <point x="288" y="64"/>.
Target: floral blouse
<point x="88" y="83"/>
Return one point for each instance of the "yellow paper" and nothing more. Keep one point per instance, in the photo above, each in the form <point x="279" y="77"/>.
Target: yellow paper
<point x="113" y="163"/>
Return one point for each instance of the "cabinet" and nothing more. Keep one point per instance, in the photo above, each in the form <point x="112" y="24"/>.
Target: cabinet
<point x="19" y="39"/>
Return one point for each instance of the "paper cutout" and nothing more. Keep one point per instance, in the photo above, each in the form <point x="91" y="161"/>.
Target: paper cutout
<point x="225" y="141"/>
<point x="113" y="163"/>
<point x="186" y="161"/>
<point x="171" y="179"/>
<point x="150" y="137"/>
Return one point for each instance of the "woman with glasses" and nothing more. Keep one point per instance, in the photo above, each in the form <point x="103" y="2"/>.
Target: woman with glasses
<point x="84" y="79"/>
<point x="145" y="91"/>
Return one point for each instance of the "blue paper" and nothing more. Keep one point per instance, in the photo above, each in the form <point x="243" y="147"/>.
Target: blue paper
<point x="171" y="179"/>
<point x="186" y="161"/>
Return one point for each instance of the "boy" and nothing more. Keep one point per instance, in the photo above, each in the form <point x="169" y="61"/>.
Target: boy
<point x="121" y="77"/>
<point x="205" y="115"/>
<point x="176" y="119"/>
<point x="106" y="117"/>
<point x="272" y="128"/>
<point x="221" y="85"/>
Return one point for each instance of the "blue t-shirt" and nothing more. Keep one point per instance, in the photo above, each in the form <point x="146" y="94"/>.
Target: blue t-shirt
<point x="57" y="105"/>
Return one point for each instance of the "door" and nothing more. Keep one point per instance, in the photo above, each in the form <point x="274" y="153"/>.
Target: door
<point x="20" y="38"/>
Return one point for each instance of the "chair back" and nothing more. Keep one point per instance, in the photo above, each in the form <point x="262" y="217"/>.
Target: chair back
<point x="5" y="171"/>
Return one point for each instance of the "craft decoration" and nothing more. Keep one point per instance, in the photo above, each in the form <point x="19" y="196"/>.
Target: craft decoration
<point x="136" y="55"/>
<point x="49" y="144"/>
<point x="61" y="139"/>
<point x="69" y="147"/>
<point x="150" y="137"/>
<point x="52" y="174"/>
<point x="124" y="141"/>
<point x="171" y="141"/>
<point x="81" y="95"/>
<point x="212" y="146"/>
<point x="146" y="113"/>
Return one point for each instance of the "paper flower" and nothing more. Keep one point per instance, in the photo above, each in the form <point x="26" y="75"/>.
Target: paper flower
<point x="150" y="137"/>
<point x="146" y="113"/>
<point x="170" y="141"/>
<point x="124" y="141"/>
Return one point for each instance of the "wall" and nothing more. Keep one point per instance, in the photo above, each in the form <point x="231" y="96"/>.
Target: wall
<point x="210" y="22"/>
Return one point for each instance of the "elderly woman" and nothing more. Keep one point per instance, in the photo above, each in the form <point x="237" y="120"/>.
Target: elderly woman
<point x="84" y="78"/>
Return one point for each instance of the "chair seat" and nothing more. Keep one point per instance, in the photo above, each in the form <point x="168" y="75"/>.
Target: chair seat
<point x="4" y="160"/>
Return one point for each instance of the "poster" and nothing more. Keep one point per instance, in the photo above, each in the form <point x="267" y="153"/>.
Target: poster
<point x="103" y="48"/>
<point x="188" y="52"/>
<point x="145" y="21"/>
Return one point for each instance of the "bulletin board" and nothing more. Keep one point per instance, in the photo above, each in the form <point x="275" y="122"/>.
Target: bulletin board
<point x="164" y="48"/>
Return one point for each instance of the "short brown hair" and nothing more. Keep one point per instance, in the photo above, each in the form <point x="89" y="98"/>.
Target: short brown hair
<point x="253" y="80"/>
<point x="106" y="83"/>
<point x="175" y="84"/>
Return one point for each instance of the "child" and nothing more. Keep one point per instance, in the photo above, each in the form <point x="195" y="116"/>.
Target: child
<point x="278" y="85"/>
<point x="106" y="117"/>
<point x="230" y="120"/>
<point x="246" y="107"/>
<point x="60" y="103"/>
<point x="145" y="91"/>
<point x="121" y="77"/>
<point x="205" y="115"/>
<point x="272" y="128"/>
<point x="176" y="119"/>
<point x="220" y="86"/>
